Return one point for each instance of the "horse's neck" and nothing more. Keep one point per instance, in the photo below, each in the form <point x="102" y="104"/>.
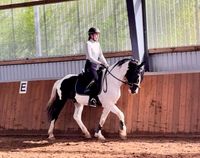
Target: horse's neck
<point x="119" y="73"/>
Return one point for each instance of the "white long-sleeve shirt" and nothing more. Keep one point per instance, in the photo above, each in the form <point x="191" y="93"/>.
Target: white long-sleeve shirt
<point x="94" y="53"/>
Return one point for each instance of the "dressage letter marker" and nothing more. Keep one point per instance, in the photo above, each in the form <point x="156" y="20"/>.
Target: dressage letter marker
<point x="23" y="87"/>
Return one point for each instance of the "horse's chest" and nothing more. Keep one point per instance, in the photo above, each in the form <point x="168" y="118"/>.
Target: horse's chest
<point x="113" y="95"/>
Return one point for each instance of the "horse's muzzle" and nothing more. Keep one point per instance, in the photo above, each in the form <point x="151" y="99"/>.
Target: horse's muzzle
<point x="134" y="88"/>
<point x="133" y="91"/>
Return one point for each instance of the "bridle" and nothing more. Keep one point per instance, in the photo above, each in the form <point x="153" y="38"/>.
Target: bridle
<point x="125" y="82"/>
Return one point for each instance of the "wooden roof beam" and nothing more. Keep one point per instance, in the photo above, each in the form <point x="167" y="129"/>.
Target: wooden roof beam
<point x="30" y="4"/>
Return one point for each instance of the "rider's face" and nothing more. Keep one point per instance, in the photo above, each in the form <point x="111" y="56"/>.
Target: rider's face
<point x="95" y="36"/>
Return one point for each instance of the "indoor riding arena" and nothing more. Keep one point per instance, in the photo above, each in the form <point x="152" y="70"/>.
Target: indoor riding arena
<point x="42" y="41"/>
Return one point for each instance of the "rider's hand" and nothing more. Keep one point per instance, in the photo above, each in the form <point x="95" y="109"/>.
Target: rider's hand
<point x="104" y="66"/>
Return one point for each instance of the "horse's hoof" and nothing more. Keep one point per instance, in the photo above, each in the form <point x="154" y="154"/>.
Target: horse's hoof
<point x="123" y="134"/>
<point x="88" y="136"/>
<point x="51" y="138"/>
<point x="100" y="137"/>
<point x="123" y="137"/>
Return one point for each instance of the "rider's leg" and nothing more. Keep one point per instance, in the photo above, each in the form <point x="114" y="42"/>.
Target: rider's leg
<point x="94" y="87"/>
<point x="91" y="68"/>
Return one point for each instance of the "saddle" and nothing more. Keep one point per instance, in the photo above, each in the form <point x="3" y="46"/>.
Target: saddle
<point x="86" y="86"/>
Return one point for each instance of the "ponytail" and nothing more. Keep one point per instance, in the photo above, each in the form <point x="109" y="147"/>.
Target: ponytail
<point x="89" y="37"/>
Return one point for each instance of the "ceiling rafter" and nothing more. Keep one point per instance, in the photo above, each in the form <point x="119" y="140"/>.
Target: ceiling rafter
<point x="30" y="4"/>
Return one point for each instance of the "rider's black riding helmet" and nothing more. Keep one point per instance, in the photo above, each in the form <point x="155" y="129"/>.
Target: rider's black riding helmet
<point x="93" y="30"/>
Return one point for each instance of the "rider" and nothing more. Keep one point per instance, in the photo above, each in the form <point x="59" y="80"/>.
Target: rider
<point x="94" y="57"/>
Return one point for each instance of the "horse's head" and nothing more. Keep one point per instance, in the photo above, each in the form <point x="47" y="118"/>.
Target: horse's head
<point x="134" y="75"/>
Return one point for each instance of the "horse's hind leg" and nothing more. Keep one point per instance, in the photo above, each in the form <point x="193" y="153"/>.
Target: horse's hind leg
<point x="50" y="131"/>
<point x="77" y="116"/>
<point x="54" y="110"/>
<point x="103" y="118"/>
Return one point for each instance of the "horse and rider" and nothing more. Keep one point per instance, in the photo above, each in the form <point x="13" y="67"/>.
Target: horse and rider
<point x="85" y="88"/>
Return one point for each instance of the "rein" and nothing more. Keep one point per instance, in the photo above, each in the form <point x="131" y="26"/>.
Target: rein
<point x="105" y="78"/>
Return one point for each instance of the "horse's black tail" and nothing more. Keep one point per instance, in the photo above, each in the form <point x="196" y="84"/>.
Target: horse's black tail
<point x="55" y="104"/>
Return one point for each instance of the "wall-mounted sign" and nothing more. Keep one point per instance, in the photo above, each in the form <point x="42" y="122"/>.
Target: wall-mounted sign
<point x="23" y="87"/>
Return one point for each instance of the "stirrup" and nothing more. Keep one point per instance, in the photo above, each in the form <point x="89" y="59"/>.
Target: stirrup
<point x="93" y="102"/>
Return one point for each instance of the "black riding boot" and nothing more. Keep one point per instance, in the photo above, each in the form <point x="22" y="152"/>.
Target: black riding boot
<point x="94" y="100"/>
<point x="89" y="87"/>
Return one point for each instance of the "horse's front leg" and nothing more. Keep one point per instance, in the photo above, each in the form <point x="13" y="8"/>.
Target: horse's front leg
<point x="120" y="115"/>
<point x="77" y="116"/>
<point x="104" y="115"/>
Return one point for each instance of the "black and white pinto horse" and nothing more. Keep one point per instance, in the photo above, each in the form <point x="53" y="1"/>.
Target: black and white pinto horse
<point x="125" y="71"/>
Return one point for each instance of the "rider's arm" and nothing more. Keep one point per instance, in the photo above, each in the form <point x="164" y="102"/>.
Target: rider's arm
<point x="102" y="58"/>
